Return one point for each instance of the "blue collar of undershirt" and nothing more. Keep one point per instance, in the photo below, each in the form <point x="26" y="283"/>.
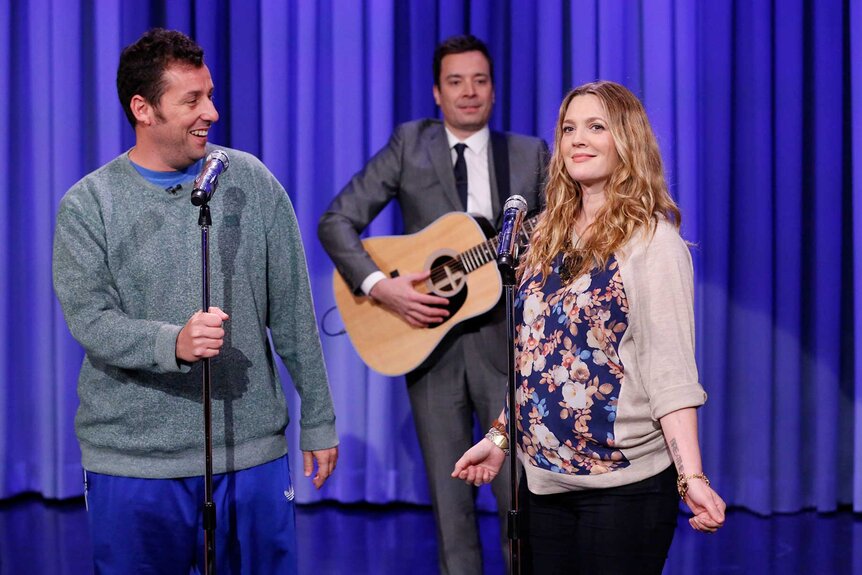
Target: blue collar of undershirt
<point x="170" y="180"/>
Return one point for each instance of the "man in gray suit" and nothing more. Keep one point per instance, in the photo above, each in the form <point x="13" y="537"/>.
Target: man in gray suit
<point x="424" y="166"/>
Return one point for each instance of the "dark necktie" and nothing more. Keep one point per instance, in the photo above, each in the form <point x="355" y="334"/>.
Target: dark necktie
<point x="461" y="174"/>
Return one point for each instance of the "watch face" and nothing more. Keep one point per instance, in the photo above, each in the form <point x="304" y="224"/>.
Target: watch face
<point x="498" y="439"/>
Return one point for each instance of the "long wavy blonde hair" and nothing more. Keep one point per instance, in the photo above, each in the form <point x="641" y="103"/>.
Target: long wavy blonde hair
<point x="636" y="192"/>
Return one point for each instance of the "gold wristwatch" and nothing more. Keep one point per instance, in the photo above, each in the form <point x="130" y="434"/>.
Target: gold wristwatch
<point x="498" y="436"/>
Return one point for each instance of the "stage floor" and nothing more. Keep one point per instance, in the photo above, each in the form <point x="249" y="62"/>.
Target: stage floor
<point x="50" y="537"/>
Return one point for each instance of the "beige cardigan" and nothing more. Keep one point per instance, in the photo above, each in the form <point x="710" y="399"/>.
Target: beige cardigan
<point x="657" y="354"/>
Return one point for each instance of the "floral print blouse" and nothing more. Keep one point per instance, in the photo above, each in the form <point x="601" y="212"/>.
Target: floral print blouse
<point x="567" y="361"/>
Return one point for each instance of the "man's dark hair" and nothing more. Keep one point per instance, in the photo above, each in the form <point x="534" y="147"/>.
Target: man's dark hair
<point x="459" y="45"/>
<point x="143" y="64"/>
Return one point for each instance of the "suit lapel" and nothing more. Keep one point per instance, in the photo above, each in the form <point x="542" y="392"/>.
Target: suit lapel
<point x="499" y="167"/>
<point x="441" y="158"/>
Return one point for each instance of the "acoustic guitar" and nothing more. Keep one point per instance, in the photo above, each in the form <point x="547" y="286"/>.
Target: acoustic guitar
<point x="455" y="249"/>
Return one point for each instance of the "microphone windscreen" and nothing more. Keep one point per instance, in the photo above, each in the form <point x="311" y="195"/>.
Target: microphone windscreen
<point x="517" y="202"/>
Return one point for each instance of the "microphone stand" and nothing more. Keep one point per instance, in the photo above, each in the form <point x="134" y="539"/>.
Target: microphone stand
<point x="209" y="510"/>
<point x="507" y="266"/>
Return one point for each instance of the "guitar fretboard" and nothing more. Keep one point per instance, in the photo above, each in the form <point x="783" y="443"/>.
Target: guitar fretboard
<point x="477" y="256"/>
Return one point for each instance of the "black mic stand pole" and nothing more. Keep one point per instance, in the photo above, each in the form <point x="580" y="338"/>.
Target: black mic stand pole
<point x="507" y="266"/>
<point x="209" y="510"/>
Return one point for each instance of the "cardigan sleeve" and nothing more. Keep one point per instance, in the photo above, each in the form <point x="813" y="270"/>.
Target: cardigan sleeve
<point x="663" y="318"/>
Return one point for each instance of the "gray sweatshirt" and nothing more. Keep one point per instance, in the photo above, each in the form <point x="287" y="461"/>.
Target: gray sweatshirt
<point x="127" y="261"/>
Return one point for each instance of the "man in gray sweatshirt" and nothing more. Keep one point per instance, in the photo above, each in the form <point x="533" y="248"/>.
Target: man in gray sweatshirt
<point x="127" y="272"/>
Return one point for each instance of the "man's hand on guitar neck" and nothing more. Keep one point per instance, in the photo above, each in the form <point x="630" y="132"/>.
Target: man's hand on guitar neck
<point x="399" y="295"/>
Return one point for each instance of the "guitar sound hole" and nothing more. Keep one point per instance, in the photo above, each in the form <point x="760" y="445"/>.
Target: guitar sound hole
<point x="448" y="281"/>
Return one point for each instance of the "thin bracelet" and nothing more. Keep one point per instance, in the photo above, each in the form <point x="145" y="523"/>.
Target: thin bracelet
<point x="682" y="482"/>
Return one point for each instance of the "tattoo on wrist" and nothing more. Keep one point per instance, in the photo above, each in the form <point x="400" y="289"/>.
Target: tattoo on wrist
<point x="677" y="458"/>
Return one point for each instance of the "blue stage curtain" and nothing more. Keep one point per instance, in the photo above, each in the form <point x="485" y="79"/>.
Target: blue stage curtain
<point x="758" y="110"/>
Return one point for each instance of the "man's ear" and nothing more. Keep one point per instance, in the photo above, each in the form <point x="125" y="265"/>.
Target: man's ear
<point x="436" y="95"/>
<point x="141" y="110"/>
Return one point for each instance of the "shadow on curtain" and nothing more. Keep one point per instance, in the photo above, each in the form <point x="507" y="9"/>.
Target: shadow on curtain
<point x="758" y="110"/>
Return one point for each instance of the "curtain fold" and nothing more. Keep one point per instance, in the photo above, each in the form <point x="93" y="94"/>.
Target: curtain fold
<point x="7" y="456"/>
<point x="854" y="395"/>
<point x="786" y="435"/>
<point x="758" y="112"/>
<point x="824" y="153"/>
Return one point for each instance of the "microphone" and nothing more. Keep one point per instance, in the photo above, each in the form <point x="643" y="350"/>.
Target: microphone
<point x="207" y="181"/>
<point x="513" y="215"/>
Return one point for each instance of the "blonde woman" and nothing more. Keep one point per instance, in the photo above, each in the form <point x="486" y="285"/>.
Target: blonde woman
<point x="608" y="386"/>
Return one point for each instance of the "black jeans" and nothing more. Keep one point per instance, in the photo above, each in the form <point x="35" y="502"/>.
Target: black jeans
<point x="619" y="531"/>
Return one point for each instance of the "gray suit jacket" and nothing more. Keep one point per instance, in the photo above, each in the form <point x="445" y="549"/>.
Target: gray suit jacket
<point x="415" y="168"/>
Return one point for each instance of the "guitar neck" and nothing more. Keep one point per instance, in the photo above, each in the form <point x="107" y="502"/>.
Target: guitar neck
<point x="479" y="255"/>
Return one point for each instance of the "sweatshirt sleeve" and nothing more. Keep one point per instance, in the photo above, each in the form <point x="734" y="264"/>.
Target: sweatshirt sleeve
<point x="293" y="324"/>
<point x="665" y="334"/>
<point x="89" y="297"/>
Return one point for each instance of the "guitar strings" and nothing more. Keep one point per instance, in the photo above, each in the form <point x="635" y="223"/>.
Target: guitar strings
<point x="476" y="256"/>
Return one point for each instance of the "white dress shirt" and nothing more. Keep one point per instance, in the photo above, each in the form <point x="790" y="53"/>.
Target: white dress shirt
<point x="478" y="177"/>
